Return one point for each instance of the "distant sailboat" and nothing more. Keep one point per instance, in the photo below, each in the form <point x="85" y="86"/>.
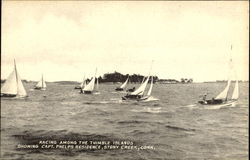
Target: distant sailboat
<point x="90" y="87"/>
<point x="121" y="88"/>
<point x="41" y="85"/>
<point x="13" y="86"/>
<point x="222" y="97"/>
<point x="138" y="94"/>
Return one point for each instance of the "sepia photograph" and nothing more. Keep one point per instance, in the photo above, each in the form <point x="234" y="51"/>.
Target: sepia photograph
<point x="124" y="80"/>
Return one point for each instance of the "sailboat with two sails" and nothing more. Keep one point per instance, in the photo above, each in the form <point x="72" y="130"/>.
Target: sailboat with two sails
<point x="91" y="88"/>
<point x="223" y="97"/>
<point x="41" y="85"/>
<point x="13" y="86"/>
<point x="139" y="93"/>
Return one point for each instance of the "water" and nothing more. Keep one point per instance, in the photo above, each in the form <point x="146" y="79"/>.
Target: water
<point x="175" y="126"/>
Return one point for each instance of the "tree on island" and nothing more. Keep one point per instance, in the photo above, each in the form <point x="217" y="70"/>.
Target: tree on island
<point x="118" y="77"/>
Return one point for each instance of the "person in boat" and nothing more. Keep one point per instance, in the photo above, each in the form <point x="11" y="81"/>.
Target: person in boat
<point x="131" y="90"/>
<point x="81" y="91"/>
<point x="204" y="97"/>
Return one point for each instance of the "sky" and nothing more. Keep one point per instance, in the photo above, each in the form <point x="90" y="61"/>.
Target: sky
<point x="67" y="40"/>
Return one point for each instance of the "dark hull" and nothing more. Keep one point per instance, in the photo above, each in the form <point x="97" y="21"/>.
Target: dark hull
<point x="130" y="90"/>
<point x="87" y="92"/>
<point x="77" y="87"/>
<point x="8" y="95"/>
<point x="39" y="88"/>
<point x="135" y="97"/>
<point x="218" y="102"/>
<point x="212" y="102"/>
<point x="119" y="89"/>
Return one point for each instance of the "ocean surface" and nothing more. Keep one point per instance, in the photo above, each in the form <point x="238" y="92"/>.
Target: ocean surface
<point x="174" y="127"/>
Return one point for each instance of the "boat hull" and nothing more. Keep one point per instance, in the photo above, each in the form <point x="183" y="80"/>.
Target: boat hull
<point x="219" y="105"/>
<point x="39" y="88"/>
<point x="211" y="102"/>
<point x="119" y="89"/>
<point x="87" y="92"/>
<point x="8" y="95"/>
<point x="131" y="90"/>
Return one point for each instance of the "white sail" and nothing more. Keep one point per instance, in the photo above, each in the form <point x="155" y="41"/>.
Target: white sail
<point x="141" y="89"/>
<point x="151" y="87"/>
<point x="10" y="85"/>
<point x="90" y="86"/>
<point x="44" y="84"/>
<point x="236" y="91"/>
<point x="224" y="93"/>
<point x="13" y="84"/>
<point x="124" y="84"/>
<point x="41" y="83"/>
<point x="20" y="88"/>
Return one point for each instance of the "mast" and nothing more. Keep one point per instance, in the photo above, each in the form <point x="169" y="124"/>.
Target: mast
<point x="15" y="72"/>
<point x="42" y="80"/>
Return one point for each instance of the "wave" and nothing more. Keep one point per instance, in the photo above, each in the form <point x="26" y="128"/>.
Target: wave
<point x="180" y="128"/>
<point x="148" y="110"/>
<point x="132" y="121"/>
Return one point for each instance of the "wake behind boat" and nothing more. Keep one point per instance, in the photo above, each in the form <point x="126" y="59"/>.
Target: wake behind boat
<point x="13" y="86"/>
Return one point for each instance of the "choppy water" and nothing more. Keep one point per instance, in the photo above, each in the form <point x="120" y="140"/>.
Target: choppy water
<point x="174" y="125"/>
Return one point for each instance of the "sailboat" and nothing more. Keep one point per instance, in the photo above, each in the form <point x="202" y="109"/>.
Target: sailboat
<point x="13" y="86"/>
<point x="90" y="87"/>
<point x="223" y="97"/>
<point x="138" y="94"/>
<point x="121" y="88"/>
<point x="41" y="85"/>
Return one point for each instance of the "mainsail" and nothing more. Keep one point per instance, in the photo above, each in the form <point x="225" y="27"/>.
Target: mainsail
<point x="224" y="93"/>
<point x="13" y="84"/>
<point x="141" y="89"/>
<point x="236" y="91"/>
<point x="151" y="86"/>
<point x="10" y="85"/>
<point x="124" y="84"/>
<point x="90" y="86"/>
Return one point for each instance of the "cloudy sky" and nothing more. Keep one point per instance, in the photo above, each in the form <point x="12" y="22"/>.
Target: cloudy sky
<point x="66" y="40"/>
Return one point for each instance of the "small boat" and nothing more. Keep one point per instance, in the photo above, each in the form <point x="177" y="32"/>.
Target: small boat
<point x="90" y="87"/>
<point x="138" y="94"/>
<point x="121" y="88"/>
<point x="41" y="85"/>
<point x="222" y="98"/>
<point x="13" y="86"/>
